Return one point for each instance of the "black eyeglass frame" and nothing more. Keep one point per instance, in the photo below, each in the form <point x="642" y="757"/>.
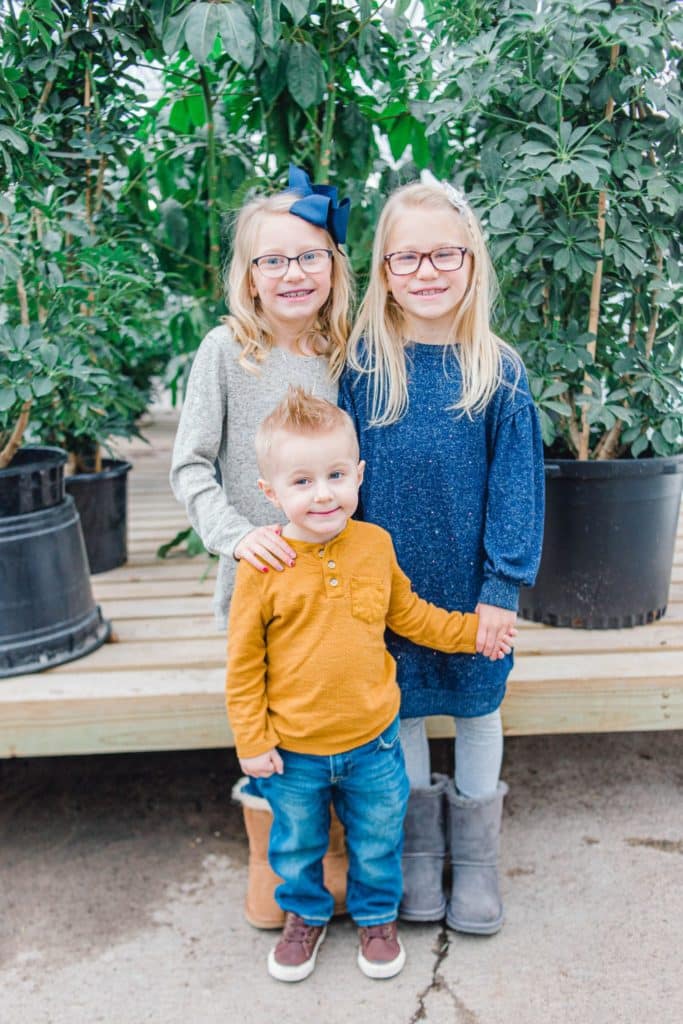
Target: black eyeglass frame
<point x="462" y="249"/>
<point x="292" y="259"/>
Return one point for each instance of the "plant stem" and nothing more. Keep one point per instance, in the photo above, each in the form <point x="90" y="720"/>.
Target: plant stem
<point x="7" y="453"/>
<point x="211" y="188"/>
<point x="594" y="310"/>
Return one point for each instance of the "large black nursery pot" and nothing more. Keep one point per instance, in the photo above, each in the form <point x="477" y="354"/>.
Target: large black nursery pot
<point x="47" y="612"/>
<point x="102" y="503"/>
<point x="610" y="531"/>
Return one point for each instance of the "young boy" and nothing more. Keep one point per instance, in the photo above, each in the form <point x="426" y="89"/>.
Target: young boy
<point x="311" y="688"/>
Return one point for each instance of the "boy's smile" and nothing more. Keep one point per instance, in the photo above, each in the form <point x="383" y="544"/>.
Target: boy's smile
<point x="314" y="479"/>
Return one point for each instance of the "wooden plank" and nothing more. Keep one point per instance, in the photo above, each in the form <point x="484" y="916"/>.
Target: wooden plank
<point x="152" y="608"/>
<point x="196" y="652"/>
<point x="159" y="686"/>
<point x="532" y="641"/>
<point x="127" y="630"/>
<point x="150" y="569"/>
<point x="187" y="712"/>
<point x="122" y="590"/>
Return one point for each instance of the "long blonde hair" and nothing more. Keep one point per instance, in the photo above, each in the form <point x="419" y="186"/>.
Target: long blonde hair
<point x="378" y="340"/>
<point x="329" y="334"/>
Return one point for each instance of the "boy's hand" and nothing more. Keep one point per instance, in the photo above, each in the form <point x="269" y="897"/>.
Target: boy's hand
<point x="496" y="630"/>
<point x="263" y="766"/>
<point x="505" y="644"/>
<point x="264" y="544"/>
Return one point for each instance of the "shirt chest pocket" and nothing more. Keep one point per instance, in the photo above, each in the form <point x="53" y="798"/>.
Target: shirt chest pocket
<point x="368" y="599"/>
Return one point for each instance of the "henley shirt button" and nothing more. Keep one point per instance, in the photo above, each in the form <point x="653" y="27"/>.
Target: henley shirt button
<point x="331" y="564"/>
<point x="334" y="581"/>
<point x="321" y="552"/>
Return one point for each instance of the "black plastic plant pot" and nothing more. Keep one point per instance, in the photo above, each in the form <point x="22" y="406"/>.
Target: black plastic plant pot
<point x="47" y="612"/>
<point x="34" y="480"/>
<point x="102" y="501"/>
<point x="610" y="532"/>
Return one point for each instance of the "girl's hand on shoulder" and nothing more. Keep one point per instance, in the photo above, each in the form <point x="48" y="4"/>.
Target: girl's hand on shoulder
<point x="496" y="630"/>
<point x="263" y="766"/>
<point x="265" y="545"/>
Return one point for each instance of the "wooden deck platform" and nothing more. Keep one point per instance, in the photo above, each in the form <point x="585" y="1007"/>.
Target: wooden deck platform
<point x="159" y="684"/>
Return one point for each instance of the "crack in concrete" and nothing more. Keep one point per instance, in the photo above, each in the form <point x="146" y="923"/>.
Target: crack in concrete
<point x="665" y="845"/>
<point x="440" y="949"/>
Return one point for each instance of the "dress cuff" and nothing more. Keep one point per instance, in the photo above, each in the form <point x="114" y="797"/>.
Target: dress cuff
<point x="500" y="593"/>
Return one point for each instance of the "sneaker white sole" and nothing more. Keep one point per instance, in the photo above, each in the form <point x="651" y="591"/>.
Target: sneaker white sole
<point x="372" y="969"/>
<point x="282" y="972"/>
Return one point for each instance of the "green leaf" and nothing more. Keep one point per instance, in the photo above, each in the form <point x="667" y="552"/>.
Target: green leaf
<point x="305" y="75"/>
<point x="298" y="9"/>
<point x="501" y="216"/>
<point x="196" y="109"/>
<point x="7" y="398"/>
<point x="201" y="29"/>
<point x="42" y="386"/>
<point x="671" y="430"/>
<point x="268" y="18"/>
<point x="179" y="117"/>
<point x="237" y="33"/>
<point x="174" y="36"/>
<point x="14" y="138"/>
<point x="400" y="135"/>
<point x="639" y="446"/>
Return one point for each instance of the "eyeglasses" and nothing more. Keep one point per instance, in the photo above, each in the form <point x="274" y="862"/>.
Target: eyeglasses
<point x="448" y="257"/>
<point x="311" y="262"/>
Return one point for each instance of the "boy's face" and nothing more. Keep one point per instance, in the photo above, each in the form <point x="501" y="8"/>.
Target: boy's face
<point x="315" y="481"/>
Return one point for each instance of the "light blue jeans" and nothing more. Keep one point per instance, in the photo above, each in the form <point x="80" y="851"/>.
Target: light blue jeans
<point x="369" y="789"/>
<point x="478" y="754"/>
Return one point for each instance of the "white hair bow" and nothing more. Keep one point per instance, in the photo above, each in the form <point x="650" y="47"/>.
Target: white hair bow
<point x="454" y="195"/>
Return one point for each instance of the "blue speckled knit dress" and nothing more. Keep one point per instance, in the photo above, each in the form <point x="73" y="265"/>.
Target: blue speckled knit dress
<point x="463" y="501"/>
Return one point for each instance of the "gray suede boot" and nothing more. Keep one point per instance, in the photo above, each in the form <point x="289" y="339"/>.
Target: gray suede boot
<point x="475" y="905"/>
<point x="424" y="853"/>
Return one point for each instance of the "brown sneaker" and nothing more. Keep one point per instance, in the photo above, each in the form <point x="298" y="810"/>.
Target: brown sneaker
<point x="293" y="959"/>
<point x="381" y="953"/>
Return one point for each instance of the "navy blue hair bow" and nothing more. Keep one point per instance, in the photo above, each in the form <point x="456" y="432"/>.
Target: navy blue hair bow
<point x="319" y="204"/>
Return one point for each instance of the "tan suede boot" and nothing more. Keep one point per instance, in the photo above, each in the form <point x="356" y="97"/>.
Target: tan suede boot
<point x="260" y="907"/>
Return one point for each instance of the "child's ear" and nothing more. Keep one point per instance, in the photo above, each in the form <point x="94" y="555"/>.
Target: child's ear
<point x="270" y="494"/>
<point x="361" y="471"/>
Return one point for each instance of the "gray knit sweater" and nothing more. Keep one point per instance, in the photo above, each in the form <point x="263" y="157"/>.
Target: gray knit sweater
<point x="223" y="406"/>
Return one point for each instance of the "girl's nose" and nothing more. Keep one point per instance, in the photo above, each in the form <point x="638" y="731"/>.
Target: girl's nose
<point x="426" y="269"/>
<point x="294" y="271"/>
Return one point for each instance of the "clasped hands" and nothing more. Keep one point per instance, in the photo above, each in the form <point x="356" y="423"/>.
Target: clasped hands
<point x="496" y="633"/>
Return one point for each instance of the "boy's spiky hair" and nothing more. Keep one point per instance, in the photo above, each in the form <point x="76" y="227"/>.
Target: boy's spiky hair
<point x="301" y="413"/>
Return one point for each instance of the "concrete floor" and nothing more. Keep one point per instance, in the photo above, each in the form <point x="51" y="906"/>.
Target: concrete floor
<point x="122" y="879"/>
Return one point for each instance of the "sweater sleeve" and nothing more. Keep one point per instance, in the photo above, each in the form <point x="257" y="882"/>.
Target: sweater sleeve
<point x="246" y="678"/>
<point x="513" y="531"/>
<point x="426" y="624"/>
<point x="346" y="401"/>
<point x="197" y="442"/>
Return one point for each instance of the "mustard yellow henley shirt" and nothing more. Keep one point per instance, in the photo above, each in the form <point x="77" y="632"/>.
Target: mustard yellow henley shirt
<point x="308" y="669"/>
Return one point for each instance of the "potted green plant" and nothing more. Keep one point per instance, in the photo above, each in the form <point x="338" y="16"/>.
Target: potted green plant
<point x="47" y="612"/>
<point x="565" y="122"/>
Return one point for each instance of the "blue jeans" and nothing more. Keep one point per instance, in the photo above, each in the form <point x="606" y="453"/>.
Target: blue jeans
<point x="369" y="789"/>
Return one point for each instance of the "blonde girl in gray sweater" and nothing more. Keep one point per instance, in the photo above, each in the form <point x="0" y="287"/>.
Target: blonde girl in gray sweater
<point x="288" y="291"/>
